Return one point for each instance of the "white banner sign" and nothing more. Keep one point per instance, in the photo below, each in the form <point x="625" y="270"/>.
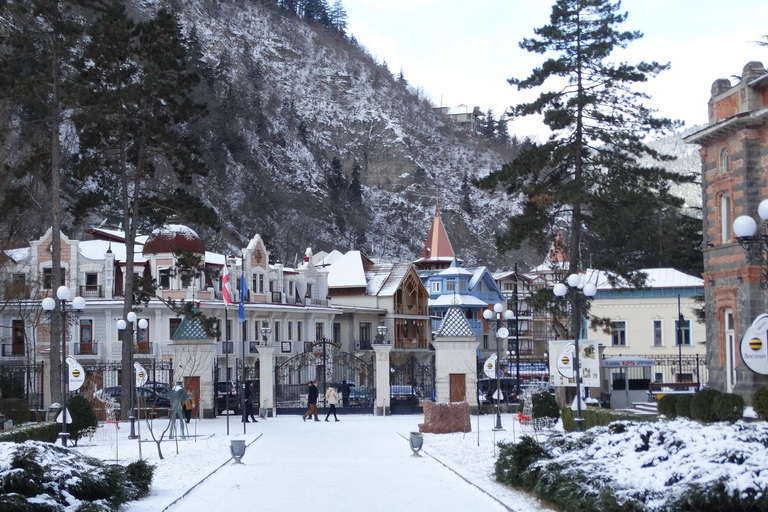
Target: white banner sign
<point x="562" y="363"/>
<point x="76" y="374"/>
<point x="754" y="346"/>
<point x="490" y="366"/>
<point x="141" y="375"/>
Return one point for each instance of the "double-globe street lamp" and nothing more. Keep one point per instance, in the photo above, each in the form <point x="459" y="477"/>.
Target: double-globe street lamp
<point x="589" y="290"/>
<point x="755" y="241"/>
<point x="121" y="326"/>
<point x="382" y="333"/>
<point x="496" y="316"/>
<point x="69" y="312"/>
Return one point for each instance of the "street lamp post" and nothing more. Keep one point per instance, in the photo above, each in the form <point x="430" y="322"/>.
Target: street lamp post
<point x="265" y="332"/>
<point x="589" y="290"/>
<point x="134" y="340"/>
<point x="67" y="314"/>
<point x="382" y="333"/>
<point x="755" y="241"/>
<point x="501" y="333"/>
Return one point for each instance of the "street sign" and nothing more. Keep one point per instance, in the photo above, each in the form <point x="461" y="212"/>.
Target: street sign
<point x="76" y="374"/>
<point x="141" y="375"/>
<point x="754" y="346"/>
<point x="61" y="414"/>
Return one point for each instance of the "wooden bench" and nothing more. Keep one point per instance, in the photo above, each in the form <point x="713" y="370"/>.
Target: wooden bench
<point x="658" y="389"/>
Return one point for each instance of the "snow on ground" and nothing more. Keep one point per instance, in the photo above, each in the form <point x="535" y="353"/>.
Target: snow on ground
<point x="358" y="463"/>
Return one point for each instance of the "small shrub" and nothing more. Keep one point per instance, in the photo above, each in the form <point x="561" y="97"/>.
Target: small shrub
<point x="702" y="405"/>
<point x="729" y="407"/>
<point x="597" y="418"/>
<point x="683" y="406"/>
<point x="82" y="416"/>
<point x="545" y="406"/>
<point x="668" y="406"/>
<point x="16" y="410"/>
<point x="515" y="459"/>
<point x="760" y="402"/>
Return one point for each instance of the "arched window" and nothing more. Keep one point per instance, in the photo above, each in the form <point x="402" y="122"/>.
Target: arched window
<point x="725" y="160"/>
<point x="725" y="218"/>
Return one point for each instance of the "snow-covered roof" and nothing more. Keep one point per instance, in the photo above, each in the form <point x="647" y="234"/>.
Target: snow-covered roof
<point x="657" y="278"/>
<point x="455" y="271"/>
<point x="376" y="278"/>
<point x="96" y="249"/>
<point x="323" y="259"/>
<point x="448" y="299"/>
<point x="347" y="271"/>
<point x="455" y="324"/>
<point x="18" y="254"/>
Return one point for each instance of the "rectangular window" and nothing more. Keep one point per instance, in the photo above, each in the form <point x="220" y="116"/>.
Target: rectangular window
<point x="337" y="333"/>
<point x="683" y="332"/>
<point x="165" y="278"/>
<point x="319" y="333"/>
<point x="462" y="285"/>
<point x="91" y="282"/>
<point x="290" y="330"/>
<point x="86" y="331"/>
<point x="290" y="288"/>
<point x="229" y="331"/>
<point x="143" y="335"/>
<point x="450" y="284"/>
<point x="48" y="277"/>
<point x="19" y="336"/>
<point x="298" y="331"/>
<point x="485" y="342"/>
<point x="619" y="334"/>
<point x="657" y="333"/>
<point x="365" y="334"/>
<point x="436" y="287"/>
<point x="658" y="377"/>
<point x="309" y="289"/>
<point x="277" y="331"/>
<point x="173" y="324"/>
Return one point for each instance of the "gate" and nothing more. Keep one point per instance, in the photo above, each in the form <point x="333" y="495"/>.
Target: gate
<point x="412" y="380"/>
<point x="325" y="363"/>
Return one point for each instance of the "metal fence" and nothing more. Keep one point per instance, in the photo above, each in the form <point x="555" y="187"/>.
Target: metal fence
<point x="691" y="368"/>
<point x="25" y="381"/>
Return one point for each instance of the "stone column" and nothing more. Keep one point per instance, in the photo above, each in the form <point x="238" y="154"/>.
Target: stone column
<point x="382" y="379"/>
<point x="266" y="380"/>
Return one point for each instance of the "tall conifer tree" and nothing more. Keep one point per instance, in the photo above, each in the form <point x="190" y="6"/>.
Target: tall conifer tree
<point x="586" y="180"/>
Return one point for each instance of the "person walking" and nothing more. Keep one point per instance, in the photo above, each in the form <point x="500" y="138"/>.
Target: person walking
<point x="312" y="400"/>
<point x="249" y="404"/>
<point x="331" y="398"/>
<point x="189" y="404"/>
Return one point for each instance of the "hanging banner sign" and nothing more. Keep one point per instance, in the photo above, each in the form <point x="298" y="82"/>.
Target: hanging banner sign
<point x="562" y="361"/>
<point x="141" y="375"/>
<point x="754" y="346"/>
<point x="76" y="373"/>
<point x="490" y="366"/>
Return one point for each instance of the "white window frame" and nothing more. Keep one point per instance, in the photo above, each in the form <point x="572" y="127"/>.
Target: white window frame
<point x="619" y="330"/>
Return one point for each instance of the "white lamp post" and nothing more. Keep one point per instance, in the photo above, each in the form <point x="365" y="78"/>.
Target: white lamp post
<point x="589" y="290"/>
<point x="74" y="311"/>
<point x="382" y="331"/>
<point x="265" y="332"/>
<point x="753" y="239"/>
<point x="501" y="333"/>
<point x="121" y="326"/>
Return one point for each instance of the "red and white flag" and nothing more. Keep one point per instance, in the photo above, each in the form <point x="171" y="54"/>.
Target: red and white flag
<point x="225" y="289"/>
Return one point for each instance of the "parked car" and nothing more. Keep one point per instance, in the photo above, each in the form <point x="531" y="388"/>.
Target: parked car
<point x="161" y="388"/>
<point x="143" y="395"/>
<point x="401" y="395"/>
<point x="360" y="396"/>
<point x="224" y="388"/>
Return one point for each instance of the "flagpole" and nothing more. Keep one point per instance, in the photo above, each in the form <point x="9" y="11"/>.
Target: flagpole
<point x="226" y="361"/>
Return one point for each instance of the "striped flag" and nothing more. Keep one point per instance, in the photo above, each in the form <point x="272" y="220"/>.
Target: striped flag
<point x="225" y="287"/>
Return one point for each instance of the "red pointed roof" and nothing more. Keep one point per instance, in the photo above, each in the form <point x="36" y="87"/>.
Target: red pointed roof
<point x="437" y="252"/>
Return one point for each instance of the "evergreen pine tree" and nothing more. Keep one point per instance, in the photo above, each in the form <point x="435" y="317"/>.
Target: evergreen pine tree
<point x="136" y="88"/>
<point x="338" y="17"/>
<point x="401" y="77"/>
<point x="488" y="127"/>
<point x="502" y="131"/>
<point x="466" y="200"/>
<point x="586" y="180"/>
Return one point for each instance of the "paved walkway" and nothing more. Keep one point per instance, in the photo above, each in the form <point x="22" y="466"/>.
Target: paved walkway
<point x="358" y="464"/>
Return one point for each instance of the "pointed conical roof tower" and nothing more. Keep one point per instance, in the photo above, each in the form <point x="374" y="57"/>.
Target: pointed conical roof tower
<point x="438" y="252"/>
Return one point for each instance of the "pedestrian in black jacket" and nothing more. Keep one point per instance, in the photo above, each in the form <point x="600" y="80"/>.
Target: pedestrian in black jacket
<point x="312" y="399"/>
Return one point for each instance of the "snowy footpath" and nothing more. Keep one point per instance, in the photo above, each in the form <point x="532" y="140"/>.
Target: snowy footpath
<point x="358" y="463"/>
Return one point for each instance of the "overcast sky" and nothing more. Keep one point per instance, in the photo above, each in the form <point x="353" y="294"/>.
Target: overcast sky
<point x="463" y="51"/>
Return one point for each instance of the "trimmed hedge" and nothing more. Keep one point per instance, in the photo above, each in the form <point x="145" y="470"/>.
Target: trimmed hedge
<point x="760" y="402"/>
<point x="703" y="405"/>
<point x="729" y="407"/>
<point x="45" y="432"/>
<point x="82" y="416"/>
<point x="668" y="406"/>
<point x="683" y="406"/>
<point x="597" y="418"/>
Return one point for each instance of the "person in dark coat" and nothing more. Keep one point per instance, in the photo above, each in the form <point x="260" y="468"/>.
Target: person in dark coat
<point x="249" y="404"/>
<point x="345" y="390"/>
<point x="312" y="399"/>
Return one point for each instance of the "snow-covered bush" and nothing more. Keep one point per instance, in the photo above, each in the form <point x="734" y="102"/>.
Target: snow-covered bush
<point x="41" y="476"/>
